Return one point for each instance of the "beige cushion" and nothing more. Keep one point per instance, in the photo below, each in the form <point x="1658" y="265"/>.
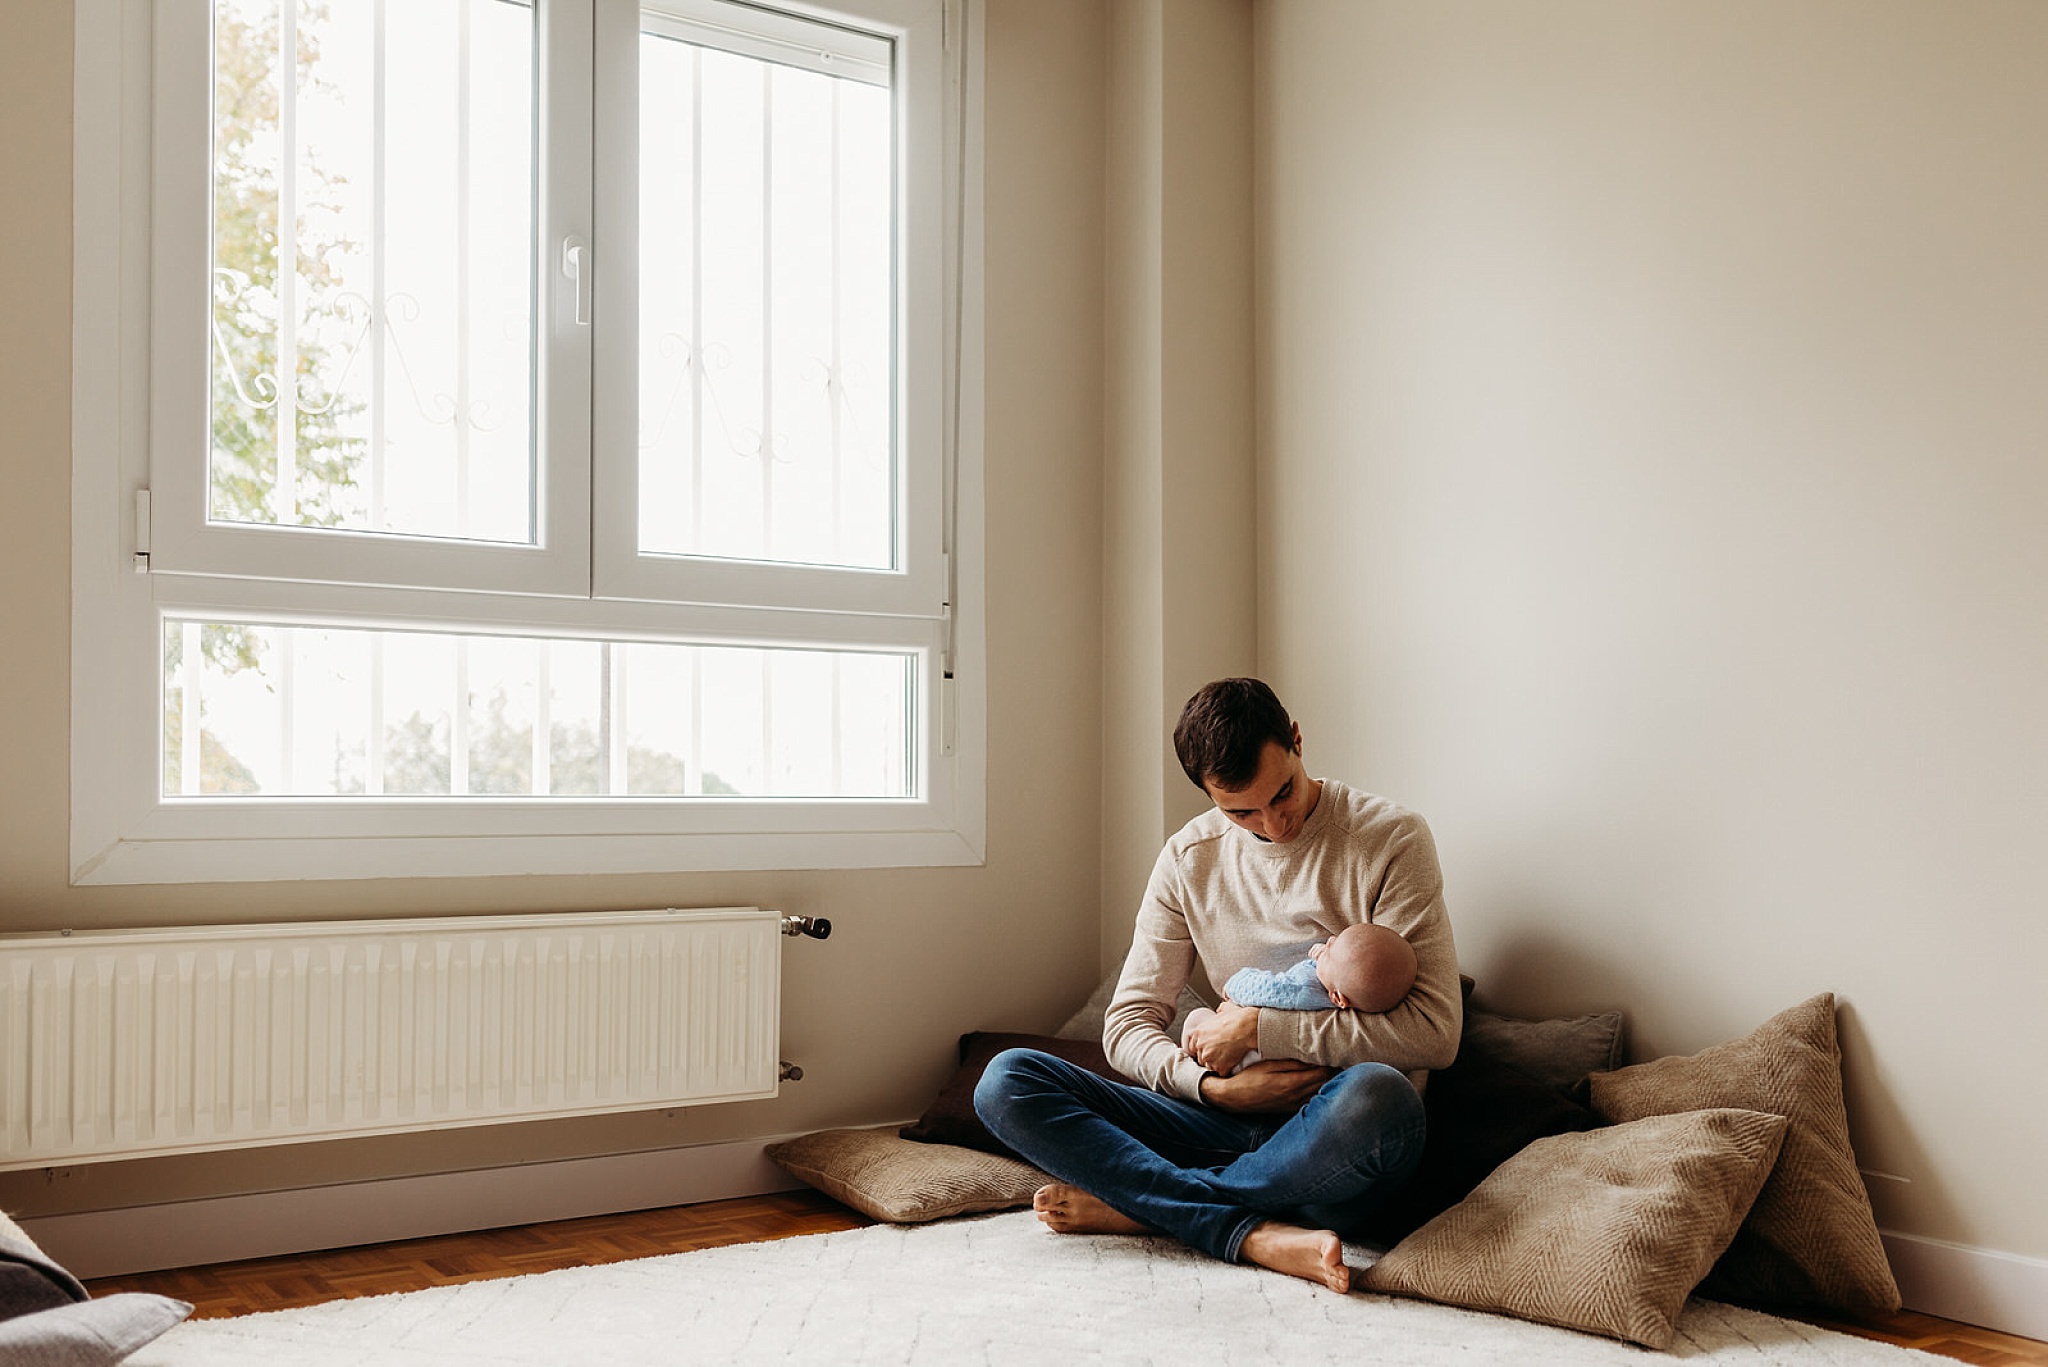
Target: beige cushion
<point x="1606" y="1231"/>
<point x="1086" y="1023"/>
<point x="1811" y="1238"/>
<point x="904" y="1182"/>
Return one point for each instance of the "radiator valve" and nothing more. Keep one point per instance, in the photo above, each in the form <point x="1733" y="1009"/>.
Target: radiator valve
<point x="817" y="927"/>
<point x="790" y="1072"/>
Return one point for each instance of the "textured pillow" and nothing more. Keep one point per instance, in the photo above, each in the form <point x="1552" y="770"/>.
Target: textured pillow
<point x="950" y="1119"/>
<point x="1811" y="1238"/>
<point x="1605" y="1231"/>
<point x="29" y="1281"/>
<point x="1087" y="1022"/>
<point x="1559" y="1052"/>
<point x="46" y="1319"/>
<point x="95" y="1333"/>
<point x="891" y="1178"/>
<point x="1480" y="1112"/>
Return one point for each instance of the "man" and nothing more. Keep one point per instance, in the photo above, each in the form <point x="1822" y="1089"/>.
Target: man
<point x="1277" y="1163"/>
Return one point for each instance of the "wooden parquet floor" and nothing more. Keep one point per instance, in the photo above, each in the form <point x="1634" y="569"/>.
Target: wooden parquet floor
<point x="375" y="1269"/>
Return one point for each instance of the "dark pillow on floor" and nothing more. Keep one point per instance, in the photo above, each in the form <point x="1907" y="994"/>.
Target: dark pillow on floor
<point x="1560" y="1052"/>
<point x="950" y="1119"/>
<point x="1481" y="1112"/>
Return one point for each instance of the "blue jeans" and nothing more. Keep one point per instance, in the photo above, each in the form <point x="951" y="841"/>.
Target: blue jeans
<point x="1207" y="1176"/>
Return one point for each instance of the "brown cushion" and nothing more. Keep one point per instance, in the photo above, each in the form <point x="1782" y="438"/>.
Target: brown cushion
<point x="950" y="1119"/>
<point x="890" y="1178"/>
<point x="1605" y="1231"/>
<point x="1481" y="1112"/>
<point x="1811" y="1238"/>
<point x="1559" y="1052"/>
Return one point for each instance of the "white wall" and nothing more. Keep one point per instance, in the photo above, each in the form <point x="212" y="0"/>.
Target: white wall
<point x="1652" y="424"/>
<point x="872" y="1014"/>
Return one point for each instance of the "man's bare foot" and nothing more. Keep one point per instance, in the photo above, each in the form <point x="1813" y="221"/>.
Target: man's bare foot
<point x="1070" y="1210"/>
<point x="1316" y="1255"/>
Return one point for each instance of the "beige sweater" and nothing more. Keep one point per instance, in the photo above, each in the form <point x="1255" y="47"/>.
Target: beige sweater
<point x="1220" y="895"/>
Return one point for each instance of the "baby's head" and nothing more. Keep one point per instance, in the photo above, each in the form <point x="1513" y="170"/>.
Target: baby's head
<point x="1365" y="968"/>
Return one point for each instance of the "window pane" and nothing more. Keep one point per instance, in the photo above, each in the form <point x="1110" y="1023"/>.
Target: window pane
<point x="286" y="711"/>
<point x="373" y="351"/>
<point x="767" y="359"/>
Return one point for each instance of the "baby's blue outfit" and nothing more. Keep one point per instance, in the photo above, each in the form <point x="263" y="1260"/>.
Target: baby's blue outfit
<point x="1294" y="990"/>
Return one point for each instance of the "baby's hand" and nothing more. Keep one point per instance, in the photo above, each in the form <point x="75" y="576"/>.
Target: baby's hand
<point x="1200" y="1042"/>
<point x="1220" y="1041"/>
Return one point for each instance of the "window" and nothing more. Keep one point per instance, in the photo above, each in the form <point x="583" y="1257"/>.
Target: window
<point x="525" y="436"/>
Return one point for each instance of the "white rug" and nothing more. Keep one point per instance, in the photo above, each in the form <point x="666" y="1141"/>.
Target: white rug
<point x="995" y="1289"/>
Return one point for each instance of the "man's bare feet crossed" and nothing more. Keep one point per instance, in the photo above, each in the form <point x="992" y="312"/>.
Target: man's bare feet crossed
<point x="1065" y="1209"/>
<point x="1315" y="1255"/>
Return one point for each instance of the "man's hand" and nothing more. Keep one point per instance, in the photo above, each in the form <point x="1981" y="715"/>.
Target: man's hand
<point x="1277" y="1086"/>
<point x="1221" y="1042"/>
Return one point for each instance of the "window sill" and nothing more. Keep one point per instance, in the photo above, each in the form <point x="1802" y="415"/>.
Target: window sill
<point x="232" y="860"/>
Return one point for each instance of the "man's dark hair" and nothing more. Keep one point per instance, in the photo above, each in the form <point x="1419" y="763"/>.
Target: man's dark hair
<point x="1223" y="732"/>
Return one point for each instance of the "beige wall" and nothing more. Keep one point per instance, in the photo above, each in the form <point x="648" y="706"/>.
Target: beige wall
<point x="916" y="957"/>
<point x="1652" y="489"/>
<point x="1178" y="492"/>
<point x="1134" y="647"/>
<point x="1648" y="491"/>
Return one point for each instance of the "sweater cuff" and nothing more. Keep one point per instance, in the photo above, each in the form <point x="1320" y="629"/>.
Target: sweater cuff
<point x="1187" y="1080"/>
<point x="1275" y="1039"/>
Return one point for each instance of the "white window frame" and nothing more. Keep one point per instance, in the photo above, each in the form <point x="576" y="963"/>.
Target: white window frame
<point x="127" y="283"/>
<point x="918" y="585"/>
<point x="182" y="538"/>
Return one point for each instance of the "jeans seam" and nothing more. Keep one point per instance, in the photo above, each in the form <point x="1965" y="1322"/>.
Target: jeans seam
<point x="1231" y="1246"/>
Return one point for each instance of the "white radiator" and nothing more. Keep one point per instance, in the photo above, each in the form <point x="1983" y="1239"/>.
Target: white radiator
<point x="118" y="1044"/>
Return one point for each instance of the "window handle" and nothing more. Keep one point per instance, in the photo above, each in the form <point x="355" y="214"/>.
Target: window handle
<point x="576" y="265"/>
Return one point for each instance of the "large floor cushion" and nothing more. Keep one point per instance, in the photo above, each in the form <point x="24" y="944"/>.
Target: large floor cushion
<point x="1811" y="1239"/>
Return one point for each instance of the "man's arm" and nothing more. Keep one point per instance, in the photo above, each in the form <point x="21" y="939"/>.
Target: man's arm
<point x="1162" y="957"/>
<point x="1275" y="1085"/>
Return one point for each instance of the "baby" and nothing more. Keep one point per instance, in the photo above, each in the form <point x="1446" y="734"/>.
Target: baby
<point x="1361" y="968"/>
